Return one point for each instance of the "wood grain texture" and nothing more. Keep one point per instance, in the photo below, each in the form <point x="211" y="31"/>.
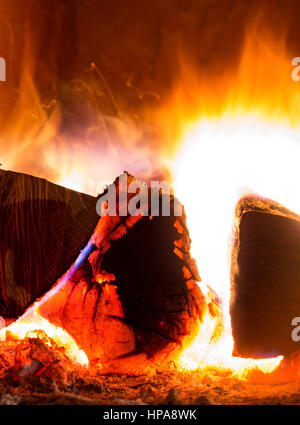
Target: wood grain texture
<point x="42" y="228"/>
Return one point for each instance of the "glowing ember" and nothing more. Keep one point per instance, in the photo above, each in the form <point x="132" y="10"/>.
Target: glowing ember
<point x="21" y="329"/>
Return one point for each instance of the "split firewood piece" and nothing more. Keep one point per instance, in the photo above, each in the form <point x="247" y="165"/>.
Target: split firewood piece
<point x="265" y="277"/>
<point x="131" y="298"/>
<point x="42" y="228"/>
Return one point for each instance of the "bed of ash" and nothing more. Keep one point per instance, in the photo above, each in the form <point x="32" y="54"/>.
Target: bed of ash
<point x="36" y="371"/>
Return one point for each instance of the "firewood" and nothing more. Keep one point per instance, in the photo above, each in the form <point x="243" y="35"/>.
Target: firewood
<point x="131" y="296"/>
<point x="265" y="278"/>
<point x="42" y="227"/>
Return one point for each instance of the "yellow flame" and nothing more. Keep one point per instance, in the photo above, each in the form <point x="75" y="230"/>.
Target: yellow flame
<point x="206" y="353"/>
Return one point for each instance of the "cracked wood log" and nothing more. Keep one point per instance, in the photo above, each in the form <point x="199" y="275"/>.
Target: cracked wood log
<point x="42" y="227"/>
<point x="265" y="278"/>
<point x="131" y="299"/>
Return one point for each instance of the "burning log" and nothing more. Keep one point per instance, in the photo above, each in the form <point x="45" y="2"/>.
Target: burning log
<point x="131" y="299"/>
<point x="265" y="278"/>
<point x="42" y="227"/>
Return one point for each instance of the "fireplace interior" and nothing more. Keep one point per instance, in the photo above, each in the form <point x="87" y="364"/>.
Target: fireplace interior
<point x="150" y="309"/>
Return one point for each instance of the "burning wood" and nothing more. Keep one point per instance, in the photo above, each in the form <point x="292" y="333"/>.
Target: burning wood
<point x="42" y="228"/>
<point x="130" y="300"/>
<point x="265" y="278"/>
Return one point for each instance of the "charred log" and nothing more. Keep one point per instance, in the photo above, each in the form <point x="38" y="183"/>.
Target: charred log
<point x="265" y="279"/>
<point x="131" y="296"/>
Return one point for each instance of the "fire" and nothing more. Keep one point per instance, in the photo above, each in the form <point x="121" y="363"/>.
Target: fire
<point x="219" y="161"/>
<point x="218" y="354"/>
<point x="231" y="134"/>
<point x="241" y="136"/>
